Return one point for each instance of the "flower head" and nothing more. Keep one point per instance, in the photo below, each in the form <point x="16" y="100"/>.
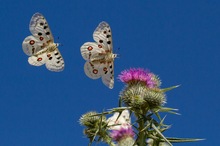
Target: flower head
<point x="142" y="91"/>
<point x="90" y="119"/>
<point x="134" y="75"/>
<point x="122" y="133"/>
<point x="95" y="125"/>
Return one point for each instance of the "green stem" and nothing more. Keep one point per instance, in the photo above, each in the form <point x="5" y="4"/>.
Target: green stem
<point x="141" y="135"/>
<point x="109" y="141"/>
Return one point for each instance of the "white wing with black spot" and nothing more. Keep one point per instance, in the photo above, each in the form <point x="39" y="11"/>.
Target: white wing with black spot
<point x="108" y="77"/>
<point x="103" y="35"/>
<point x="40" y="28"/>
<point x="55" y="61"/>
<point x="41" y="47"/>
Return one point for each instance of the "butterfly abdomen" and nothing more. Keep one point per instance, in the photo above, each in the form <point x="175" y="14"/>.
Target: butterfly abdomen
<point x="49" y="48"/>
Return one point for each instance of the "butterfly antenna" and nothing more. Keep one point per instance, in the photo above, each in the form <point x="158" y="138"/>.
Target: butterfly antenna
<point x="117" y="52"/>
<point x="59" y="44"/>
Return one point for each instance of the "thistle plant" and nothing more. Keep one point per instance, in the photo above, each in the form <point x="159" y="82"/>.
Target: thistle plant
<point x="143" y="100"/>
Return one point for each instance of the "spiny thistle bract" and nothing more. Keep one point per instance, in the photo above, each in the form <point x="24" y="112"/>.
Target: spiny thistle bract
<point x="90" y="119"/>
<point x="95" y="124"/>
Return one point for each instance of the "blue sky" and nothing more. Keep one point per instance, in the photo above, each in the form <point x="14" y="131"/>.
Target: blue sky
<point x="177" y="40"/>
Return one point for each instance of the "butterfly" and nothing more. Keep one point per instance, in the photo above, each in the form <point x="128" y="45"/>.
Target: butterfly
<point x="98" y="55"/>
<point x="40" y="45"/>
<point x="119" y="120"/>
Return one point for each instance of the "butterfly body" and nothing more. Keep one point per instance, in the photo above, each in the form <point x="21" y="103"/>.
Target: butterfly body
<point x="99" y="56"/>
<point x="104" y="58"/>
<point x="48" y="48"/>
<point x="40" y="45"/>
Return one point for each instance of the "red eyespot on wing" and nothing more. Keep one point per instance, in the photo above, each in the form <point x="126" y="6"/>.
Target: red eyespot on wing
<point x="39" y="59"/>
<point x="105" y="69"/>
<point x="95" y="71"/>
<point x="90" y="48"/>
<point x="31" y="42"/>
<point x="48" y="55"/>
<point x="41" y="38"/>
<point x="100" y="46"/>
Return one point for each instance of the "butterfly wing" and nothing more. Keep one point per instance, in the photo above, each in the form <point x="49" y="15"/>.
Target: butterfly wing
<point x="92" y="51"/>
<point x="103" y="36"/>
<point x="108" y="76"/>
<point x="42" y="35"/>
<point x="94" y="70"/>
<point x="38" y="60"/>
<point x="55" y="61"/>
<point x="125" y="115"/>
<point x="32" y="45"/>
<point x="112" y="120"/>
<point x="40" y="28"/>
<point x="119" y="120"/>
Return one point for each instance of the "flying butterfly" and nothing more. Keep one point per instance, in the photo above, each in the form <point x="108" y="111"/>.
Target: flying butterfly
<point x="40" y="45"/>
<point x="98" y="55"/>
<point x="117" y="121"/>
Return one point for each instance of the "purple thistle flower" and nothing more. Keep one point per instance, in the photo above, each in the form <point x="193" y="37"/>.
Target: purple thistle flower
<point x="139" y="74"/>
<point x="151" y="83"/>
<point x="123" y="132"/>
<point x="126" y="76"/>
